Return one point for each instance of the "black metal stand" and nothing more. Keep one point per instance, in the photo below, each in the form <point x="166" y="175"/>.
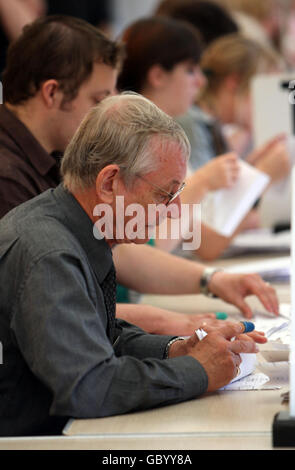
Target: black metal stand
<point x="283" y="430"/>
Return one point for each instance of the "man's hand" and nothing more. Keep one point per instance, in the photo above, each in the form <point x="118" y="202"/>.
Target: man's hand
<point x="233" y="288"/>
<point x="219" y="356"/>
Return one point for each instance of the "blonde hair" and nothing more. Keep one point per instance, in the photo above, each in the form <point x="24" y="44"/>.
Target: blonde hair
<point x="237" y="55"/>
<point x="120" y="130"/>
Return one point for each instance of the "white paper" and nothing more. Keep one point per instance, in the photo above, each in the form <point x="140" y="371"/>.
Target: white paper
<point x="224" y="209"/>
<point x="276" y="329"/>
<point x="251" y="382"/>
<point x="278" y="372"/>
<point x="261" y="240"/>
<point x="268" y="95"/>
<point x="277" y="269"/>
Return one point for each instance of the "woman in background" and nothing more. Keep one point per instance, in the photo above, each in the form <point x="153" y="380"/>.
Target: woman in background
<point x="230" y="63"/>
<point x="162" y="63"/>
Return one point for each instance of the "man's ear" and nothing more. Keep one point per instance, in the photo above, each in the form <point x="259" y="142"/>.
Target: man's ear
<point x="156" y="76"/>
<point x="107" y="183"/>
<point x="51" y="93"/>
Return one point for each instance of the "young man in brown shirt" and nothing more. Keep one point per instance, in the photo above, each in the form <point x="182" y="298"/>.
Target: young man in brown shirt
<point x="45" y="99"/>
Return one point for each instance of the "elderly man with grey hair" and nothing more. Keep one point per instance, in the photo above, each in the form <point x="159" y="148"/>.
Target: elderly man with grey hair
<point x="64" y="353"/>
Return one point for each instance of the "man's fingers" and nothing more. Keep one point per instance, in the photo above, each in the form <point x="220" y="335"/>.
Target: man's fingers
<point x="258" y="337"/>
<point x="230" y="329"/>
<point x="243" y="346"/>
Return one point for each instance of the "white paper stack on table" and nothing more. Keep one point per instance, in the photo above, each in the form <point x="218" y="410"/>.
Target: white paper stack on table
<point x="223" y="210"/>
<point x="273" y="270"/>
<point x="262" y="240"/>
<point x="277" y="330"/>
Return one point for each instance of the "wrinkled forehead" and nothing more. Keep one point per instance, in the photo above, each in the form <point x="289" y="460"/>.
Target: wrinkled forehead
<point x="171" y="158"/>
<point x="168" y="147"/>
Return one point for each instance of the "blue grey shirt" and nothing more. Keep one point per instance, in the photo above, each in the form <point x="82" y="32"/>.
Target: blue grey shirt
<point x="201" y="130"/>
<point x="59" y="360"/>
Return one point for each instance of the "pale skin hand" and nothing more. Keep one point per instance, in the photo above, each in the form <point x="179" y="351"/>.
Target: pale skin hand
<point x="219" y="356"/>
<point x="163" y="322"/>
<point x="221" y="172"/>
<point x="233" y="288"/>
<point x="273" y="159"/>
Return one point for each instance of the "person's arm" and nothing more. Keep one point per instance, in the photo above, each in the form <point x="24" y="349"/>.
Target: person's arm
<point x="213" y="244"/>
<point x="159" y="321"/>
<point x="59" y="322"/>
<point x="15" y="14"/>
<point x="149" y="270"/>
<point x="272" y="158"/>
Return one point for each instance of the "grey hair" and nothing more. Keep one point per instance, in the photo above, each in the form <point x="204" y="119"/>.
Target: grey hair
<point x="120" y="130"/>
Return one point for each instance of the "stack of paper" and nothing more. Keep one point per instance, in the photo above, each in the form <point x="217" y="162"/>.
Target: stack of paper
<point x="261" y="240"/>
<point x="223" y="210"/>
<point x="273" y="270"/>
<point x="277" y="330"/>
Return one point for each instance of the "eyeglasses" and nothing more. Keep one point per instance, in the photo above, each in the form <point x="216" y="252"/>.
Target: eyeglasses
<point x="171" y="196"/>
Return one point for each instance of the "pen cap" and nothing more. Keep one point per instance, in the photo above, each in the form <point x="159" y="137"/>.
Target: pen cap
<point x="248" y="326"/>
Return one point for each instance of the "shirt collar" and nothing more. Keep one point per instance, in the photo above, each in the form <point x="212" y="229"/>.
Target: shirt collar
<point x="81" y="226"/>
<point x="20" y="134"/>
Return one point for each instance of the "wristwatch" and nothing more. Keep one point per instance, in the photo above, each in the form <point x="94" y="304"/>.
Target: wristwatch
<point x="173" y="340"/>
<point x="205" y="279"/>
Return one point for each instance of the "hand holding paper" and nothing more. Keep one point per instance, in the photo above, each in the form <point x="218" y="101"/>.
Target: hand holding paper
<point x="223" y="210"/>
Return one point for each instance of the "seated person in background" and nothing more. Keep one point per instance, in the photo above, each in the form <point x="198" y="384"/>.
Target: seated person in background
<point x="230" y="63"/>
<point x="65" y="354"/>
<point x="172" y="81"/>
<point x="44" y="104"/>
<point x="260" y="21"/>
<point x="42" y="110"/>
<point x="213" y="22"/>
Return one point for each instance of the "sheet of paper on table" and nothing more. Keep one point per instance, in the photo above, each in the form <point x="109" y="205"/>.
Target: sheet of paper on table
<point x="262" y="240"/>
<point x="273" y="270"/>
<point x="277" y="329"/>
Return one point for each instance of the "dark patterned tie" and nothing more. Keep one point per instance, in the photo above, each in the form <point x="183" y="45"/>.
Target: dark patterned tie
<point x="108" y="287"/>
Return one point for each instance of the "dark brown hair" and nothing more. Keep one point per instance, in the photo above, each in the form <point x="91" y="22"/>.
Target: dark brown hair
<point x="56" y="47"/>
<point x="211" y="19"/>
<point x="158" y="40"/>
